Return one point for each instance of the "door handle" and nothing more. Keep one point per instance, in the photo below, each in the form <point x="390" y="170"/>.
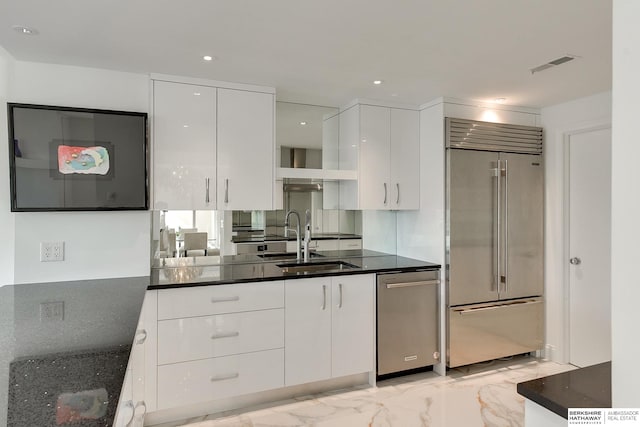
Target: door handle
<point x="398" y="193"/>
<point x="385" y="193"/>
<point x="226" y="190"/>
<point x="206" y="197"/>
<point x="575" y="261"/>
<point x="324" y="297"/>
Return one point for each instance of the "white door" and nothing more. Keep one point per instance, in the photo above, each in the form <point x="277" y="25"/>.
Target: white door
<point x="590" y="247"/>
<point x="307" y="340"/>
<point x="404" y="191"/>
<point x="373" y="180"/>
<point x="245" y="150"/>
<point x="184" y="146"/>
<point x="352" y="324"/>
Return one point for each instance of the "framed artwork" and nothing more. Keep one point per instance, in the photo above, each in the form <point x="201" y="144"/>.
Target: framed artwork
<point x="77" y="159"/>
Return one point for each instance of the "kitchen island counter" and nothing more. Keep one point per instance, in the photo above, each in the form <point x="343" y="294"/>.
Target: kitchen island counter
<point x="588" y="387"/>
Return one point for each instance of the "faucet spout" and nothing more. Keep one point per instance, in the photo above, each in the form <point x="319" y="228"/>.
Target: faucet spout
<point x="297" y="231"/>
<point x="307" y="234"/>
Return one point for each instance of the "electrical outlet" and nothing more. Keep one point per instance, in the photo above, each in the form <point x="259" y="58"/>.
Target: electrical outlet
<point x="51" y="311"/>
<point x="51" y="251"/>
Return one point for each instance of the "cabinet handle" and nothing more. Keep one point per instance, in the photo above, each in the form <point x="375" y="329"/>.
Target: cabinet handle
<point x="136" y="419"/>
<point x="385" y="193"/>
<point x="224" y="377"/>
<point x="225" y="299"/>
<point x="340" y="302"/>
<point x="410" y="284"/>
<point x="324" y="297"/>
<point x="141" y="336"/>
<point x="398" y="194"/>
<point x="226" y="190"/>
<point x="225" y="335"/>
<point x="206" y="196"/>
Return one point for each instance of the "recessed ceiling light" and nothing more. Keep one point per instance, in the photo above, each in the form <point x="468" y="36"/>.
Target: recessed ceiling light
<point x="394" y="94"/>
<point x="196" y="93"/>
<point x="25" y="30"/>
<point x="377" y="82"/>
<point x="208" y="58"/>
<point x="185" y="126"/>
<point x="500" y="100"/>
<point x="303" y="123"/>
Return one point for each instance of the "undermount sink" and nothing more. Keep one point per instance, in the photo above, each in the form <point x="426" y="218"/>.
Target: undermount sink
<point x="310" y="267"/>
<point x="286" y="255"/>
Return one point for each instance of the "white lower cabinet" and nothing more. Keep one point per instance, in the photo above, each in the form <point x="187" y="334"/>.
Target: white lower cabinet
<point x="215" y="342"/>
<point x="214" y="336"/>
<point x="329" y="327"/>
<point x="202" y="380"/>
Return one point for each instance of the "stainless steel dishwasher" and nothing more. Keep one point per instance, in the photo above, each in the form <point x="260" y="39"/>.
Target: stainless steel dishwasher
<point x="408" y="321"/>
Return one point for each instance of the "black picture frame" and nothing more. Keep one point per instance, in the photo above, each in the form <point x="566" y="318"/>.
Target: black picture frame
<point x="35" y="133"/>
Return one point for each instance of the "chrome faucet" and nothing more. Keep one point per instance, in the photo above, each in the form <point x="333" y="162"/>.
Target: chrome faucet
<point x="297" y="231"/>
<point x="307" y="234"/>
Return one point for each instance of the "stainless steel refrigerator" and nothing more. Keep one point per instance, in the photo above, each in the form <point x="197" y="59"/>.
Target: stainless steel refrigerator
<point x="494" y="240"/>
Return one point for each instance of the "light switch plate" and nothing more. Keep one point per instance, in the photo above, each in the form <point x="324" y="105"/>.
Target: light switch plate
<point x="51" y="251"/>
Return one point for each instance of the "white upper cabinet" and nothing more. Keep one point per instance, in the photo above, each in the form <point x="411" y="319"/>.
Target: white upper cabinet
<point x="404" y="182"/>
<point x="184" y="146"/>
<point x="386" y="145"/>
<point x="374" y="179"/>
<point x="245" y="150"/>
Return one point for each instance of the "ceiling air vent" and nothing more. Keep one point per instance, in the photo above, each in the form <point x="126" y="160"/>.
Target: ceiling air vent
<point x="553" y="63"/>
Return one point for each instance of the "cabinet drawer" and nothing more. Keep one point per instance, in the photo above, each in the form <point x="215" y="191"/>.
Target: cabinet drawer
<point x="180" y="340"/>
<point x="202" y="380"/>
<point x="350" y="244"/>
<point x="207" y="300"/>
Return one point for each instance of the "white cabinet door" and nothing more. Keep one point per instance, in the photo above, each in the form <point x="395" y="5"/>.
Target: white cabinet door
<point x="349" y="143"/>
<point x="404" y="192"/>
<point x="307" y="330"/>
<point x="184" y="146"/>
<point x="353" y="324"/>
<point x="245" y="150"/>
<point x="374" y="183"/>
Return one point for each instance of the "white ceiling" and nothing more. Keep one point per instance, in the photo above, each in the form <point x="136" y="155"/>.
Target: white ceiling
<point x="328" y="52"/>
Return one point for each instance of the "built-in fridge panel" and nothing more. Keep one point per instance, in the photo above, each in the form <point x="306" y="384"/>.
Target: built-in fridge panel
<point x="480" y="332"/>
<point x="522" y="225"/>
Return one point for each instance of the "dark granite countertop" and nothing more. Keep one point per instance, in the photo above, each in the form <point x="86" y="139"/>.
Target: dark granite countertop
<point x="588" y="387"/>
<point x="202" y="271"/>
<point x="279" y="237"/>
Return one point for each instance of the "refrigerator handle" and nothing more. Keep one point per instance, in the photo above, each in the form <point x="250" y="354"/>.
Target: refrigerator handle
<point x="498" y="174"/>
<point x="505" y="278"/>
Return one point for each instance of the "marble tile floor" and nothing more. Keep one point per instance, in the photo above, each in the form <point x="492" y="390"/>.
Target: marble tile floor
<point x="475" y="395"/>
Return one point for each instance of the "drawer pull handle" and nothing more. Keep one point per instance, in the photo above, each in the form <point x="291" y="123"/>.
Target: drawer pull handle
<point x="225" y="299"/>
<point x="410" y="284"/>
<point x="224" y="377"/>
<point x="225" y="335"/>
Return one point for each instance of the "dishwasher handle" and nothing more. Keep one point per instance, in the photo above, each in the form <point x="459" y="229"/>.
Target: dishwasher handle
<point x="411" y="284"/>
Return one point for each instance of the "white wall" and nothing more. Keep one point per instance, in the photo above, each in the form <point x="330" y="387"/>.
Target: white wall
<point x="625" y="204"/>
<point x="6" y="217"/>
<point x="97" y="244"/>
<point x="558" y="121"/>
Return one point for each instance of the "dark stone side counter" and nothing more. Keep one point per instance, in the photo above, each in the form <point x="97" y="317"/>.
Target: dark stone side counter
<point x="588" y="387"/>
